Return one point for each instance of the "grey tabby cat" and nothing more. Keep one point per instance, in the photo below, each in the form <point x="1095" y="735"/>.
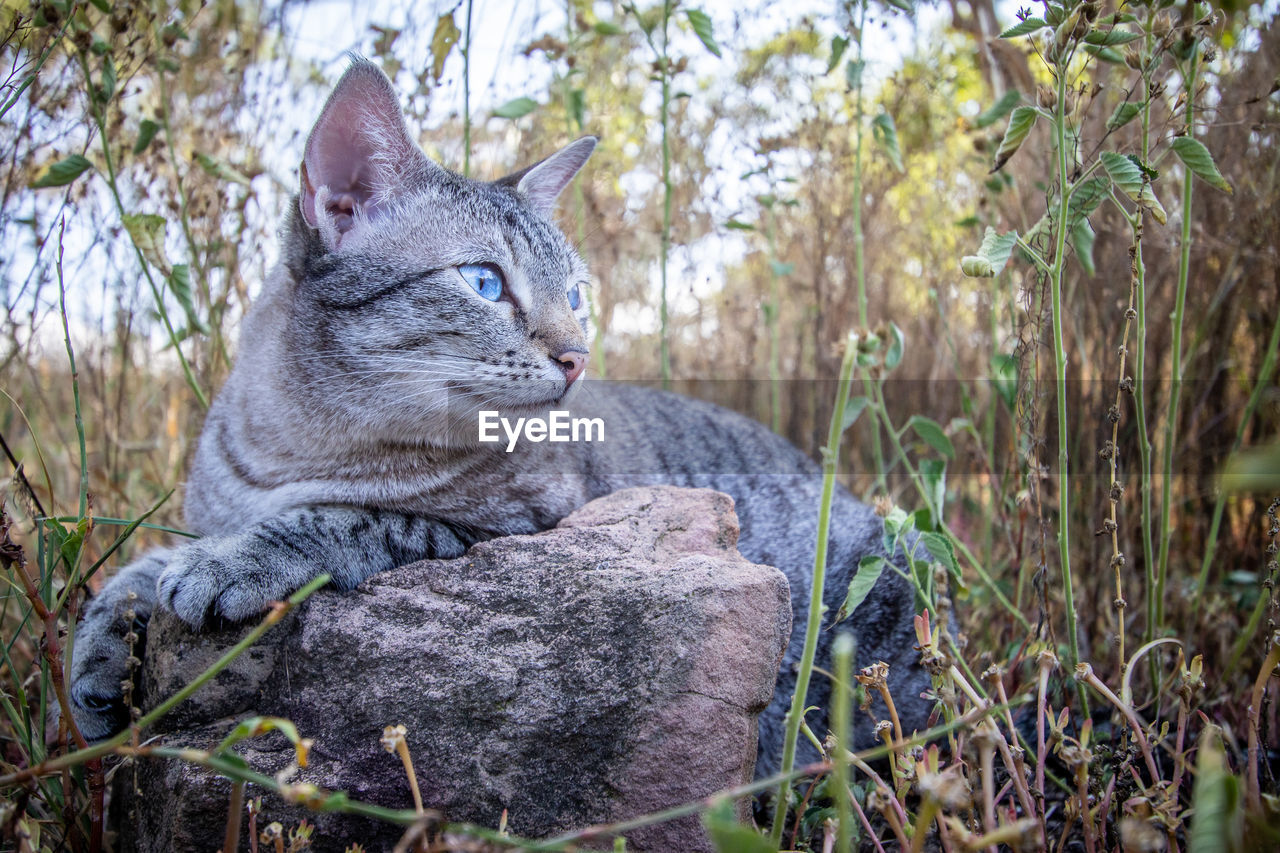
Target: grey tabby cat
<point x="407" y="299"/>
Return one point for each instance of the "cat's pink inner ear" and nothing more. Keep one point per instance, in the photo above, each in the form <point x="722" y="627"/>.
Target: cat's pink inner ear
<point x="543" y="183"/>
<point x="358" y="149"/>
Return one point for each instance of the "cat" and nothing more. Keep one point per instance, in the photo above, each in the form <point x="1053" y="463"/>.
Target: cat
<point x="407" y="300"/>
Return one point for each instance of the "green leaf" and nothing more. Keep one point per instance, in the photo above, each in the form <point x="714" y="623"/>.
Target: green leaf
<point x="992" y="255"/>
<point x="853" y="73"/>
<point x="1030" y="25"/>
<point x="1004" y="378"/>
<point x="71" y="545"/>
<point x="728" y="835"/>
<point x="1127" y="174"/>
<point x="1085" y="198"/>
<point x="180" y="284"/>
<point x="607" y="28"/>
<point x="147" y="232"/>
<point x="147" y="130"/>
<point x="902" y="5"/>
<point x="701" y="24"/>
<point x="1198" y="159"/>
<point x="254" y="726"/>
<point x="934" y="474"/>
<point x="838" y="46"/>
<point x="782" y="270"/>
<point x="516" y="107"/>
<point x="1124" y="113"/>
<point x="1113" y="36"/>
<point x="869" y="570"/>
<point x="221" y="170"/>
<point x="1106" y="54"/>
<point x="853" y="410"/>
<point x="446" y="35"/>
<point x="1082" y="240"/>
<point x="737" y="225"/>
<point x="102" y="6"/>
<point x="893" y="356"/>
<point x="578" y="107"/>
<point x="1020" y="124"/>
<point x="942" y="551"/>
<point x="999" y="109"/>
<point x="882" y="128"/>
<point x="922" y="519"/>
<point x="932" y="434"/>
<point x="62" y="173"/>
<point x="234" y="762"/>
<point x="1218" y="822"/>
<point x="108" y="86"/>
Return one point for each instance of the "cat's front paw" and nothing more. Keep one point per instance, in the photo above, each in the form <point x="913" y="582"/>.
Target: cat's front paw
<point x="102" y="674"/>
<point x="220" y="580"/>
<point x="108" y="646"/>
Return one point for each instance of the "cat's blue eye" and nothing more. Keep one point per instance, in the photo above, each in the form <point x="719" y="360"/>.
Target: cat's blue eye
<point x="575" y="296"/>
<point x="485" y="279"/>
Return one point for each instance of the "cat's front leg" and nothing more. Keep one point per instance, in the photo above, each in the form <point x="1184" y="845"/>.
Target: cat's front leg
<point x="232" y="578"/>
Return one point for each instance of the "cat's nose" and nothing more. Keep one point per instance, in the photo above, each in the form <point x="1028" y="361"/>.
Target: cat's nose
<point x="572" y="362"/>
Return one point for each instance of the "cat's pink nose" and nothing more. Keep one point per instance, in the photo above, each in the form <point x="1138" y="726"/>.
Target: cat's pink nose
<point x="572" y="362"/>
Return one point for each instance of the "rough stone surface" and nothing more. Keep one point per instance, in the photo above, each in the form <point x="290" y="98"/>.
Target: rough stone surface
<point x="606" y="669"/>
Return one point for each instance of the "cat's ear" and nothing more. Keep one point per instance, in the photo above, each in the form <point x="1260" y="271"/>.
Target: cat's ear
<point x="358" y="153"/>
<point x="542" y="183"/>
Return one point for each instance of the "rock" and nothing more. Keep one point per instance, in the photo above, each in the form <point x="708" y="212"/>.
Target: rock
<point x="608" y="668"/>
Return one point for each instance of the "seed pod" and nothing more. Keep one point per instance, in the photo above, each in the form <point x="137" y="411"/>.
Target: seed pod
<point x="1132" y="58"/>
<point x="1064" y="31"/>
<point x="1046" y="97"/>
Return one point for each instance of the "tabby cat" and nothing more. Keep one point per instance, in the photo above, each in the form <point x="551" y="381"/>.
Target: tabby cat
<point x="407" y="300"/>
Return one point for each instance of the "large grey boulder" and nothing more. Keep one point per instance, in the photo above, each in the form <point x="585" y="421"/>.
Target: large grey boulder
<point x="608" y="668"/>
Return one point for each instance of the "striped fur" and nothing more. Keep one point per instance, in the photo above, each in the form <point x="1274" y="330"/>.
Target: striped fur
<point x="345" y="438"/>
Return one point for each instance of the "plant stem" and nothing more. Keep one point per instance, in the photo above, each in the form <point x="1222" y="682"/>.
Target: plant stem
<point x="1175" y="384"/>
<point x="1140" y="366"/>
<point x="1253" y="791"/>
<point x="859" y="241"/>
<point x="75" y="377"/>
<point x="775" y="306"/>
<point x="842" y="652"/>
<point x="466" y="96"/>
<point x="664" y="354"/>
<point x="1060" y="359"/>
<point x="830" y="462"/>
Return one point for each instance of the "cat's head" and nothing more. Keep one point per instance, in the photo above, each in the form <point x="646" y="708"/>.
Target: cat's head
<point x="421" y="297"/>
